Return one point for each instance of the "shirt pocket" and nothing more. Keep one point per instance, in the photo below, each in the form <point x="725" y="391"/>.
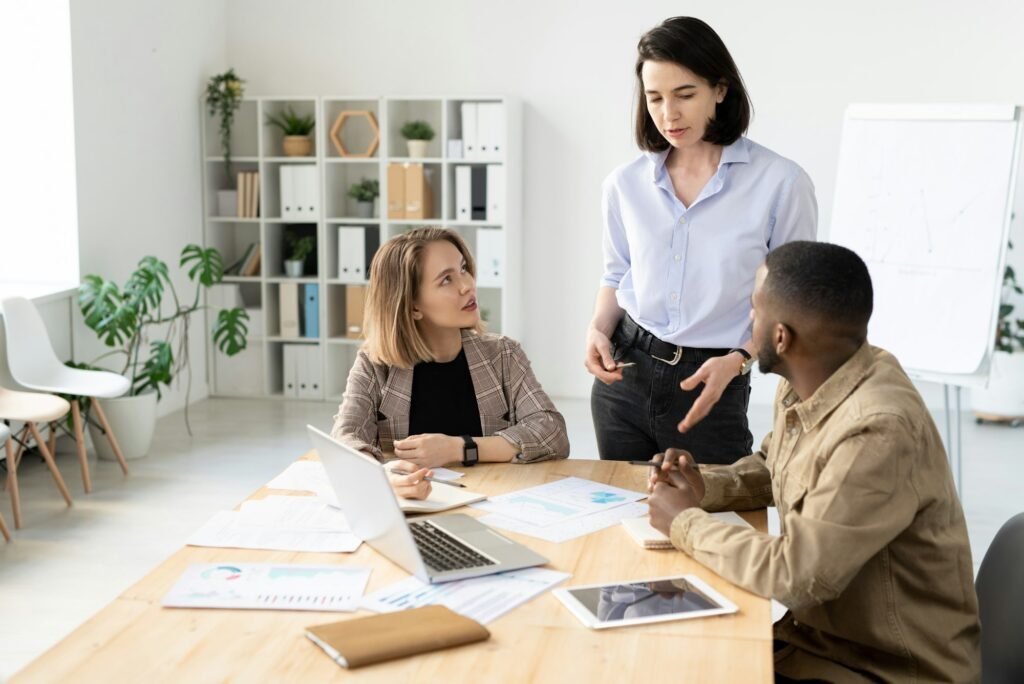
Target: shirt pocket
<point x="793" y="491"/>
<point x="386" y="434"/>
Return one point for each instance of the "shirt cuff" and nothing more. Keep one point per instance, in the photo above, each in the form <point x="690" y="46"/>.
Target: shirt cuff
<point x="680" y="528"/>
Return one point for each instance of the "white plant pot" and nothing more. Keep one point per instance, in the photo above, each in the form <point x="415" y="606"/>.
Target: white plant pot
<point x="1004" y="396"/>
<point x="417" y="148"/>
<point x="133" y="420"/>
<point x="227" y="202"/>
<point x="293" y="269"/>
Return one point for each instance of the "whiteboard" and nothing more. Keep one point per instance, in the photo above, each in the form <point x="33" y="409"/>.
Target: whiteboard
<point x="924" y="196"/>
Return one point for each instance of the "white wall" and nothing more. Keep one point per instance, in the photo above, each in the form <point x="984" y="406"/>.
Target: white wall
<point x="140" y="67"/>
<point x="571" y="62"/>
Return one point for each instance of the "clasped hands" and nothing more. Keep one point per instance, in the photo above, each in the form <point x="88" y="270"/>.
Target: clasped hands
<point x="673" y="487"/>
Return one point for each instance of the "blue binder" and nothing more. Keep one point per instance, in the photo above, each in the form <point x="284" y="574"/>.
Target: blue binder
<point x="311" y="310"/>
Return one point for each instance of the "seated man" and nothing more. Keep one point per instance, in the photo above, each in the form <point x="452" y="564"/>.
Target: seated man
<point x="873" y="560"/>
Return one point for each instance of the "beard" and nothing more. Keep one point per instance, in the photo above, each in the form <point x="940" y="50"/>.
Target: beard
<point x="767" y="358"/>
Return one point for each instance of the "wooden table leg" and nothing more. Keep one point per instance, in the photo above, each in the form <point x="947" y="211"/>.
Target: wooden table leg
<point x="50" y="463"/>
<point x="83" y="458"/>
<point x="110" y="435"/>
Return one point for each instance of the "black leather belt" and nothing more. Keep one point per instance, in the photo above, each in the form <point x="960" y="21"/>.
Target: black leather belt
<point x="629" y="334"/>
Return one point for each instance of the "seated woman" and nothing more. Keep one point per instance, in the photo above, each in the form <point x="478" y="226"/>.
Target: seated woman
<point x="429" y="387"/>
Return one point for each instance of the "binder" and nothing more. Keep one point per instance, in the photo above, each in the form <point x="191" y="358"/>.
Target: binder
<point x="396" y="191"/>
<point x="478" y="194"/>
<point x="311" y="310"/>
<point x="491" y="129"/>
<point x="463" y="177"/>
<point x="307" y="198"/>
<point x="470" y="139"/>
<point x="490" y="257"/>
<point x="289" y="369"/>
<point x="289" y="301"/>
<point x="355" y="301"/>
<point x="308" y="371"/>
<point x="288" y="206"/>
<point x="419" y="200"/>
<point x="495" y="193"/>
<point x="352" y="254"/>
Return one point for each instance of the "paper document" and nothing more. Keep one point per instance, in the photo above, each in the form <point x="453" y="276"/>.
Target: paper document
<point x="569" y="529"/>
<point x="269" y="586"/>
<point x="303" y="513"/>
<point x="556" y="502"/>
<point x="302" y="528"/>
<point x="303" y="476"/>
<point x="446" y="475"/>
<point x="482" y="598"/>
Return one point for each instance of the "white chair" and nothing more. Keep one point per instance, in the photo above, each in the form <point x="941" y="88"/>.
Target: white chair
<point x="34" y="366"/>
<point x="31" y="408"/>
<point x="5" y="434"/>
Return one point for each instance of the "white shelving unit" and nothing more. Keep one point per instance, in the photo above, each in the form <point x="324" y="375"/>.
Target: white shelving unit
<point x="258" y="371"/>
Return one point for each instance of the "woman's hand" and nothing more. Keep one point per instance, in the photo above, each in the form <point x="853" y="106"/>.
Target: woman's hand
<point x="715" y="374"/>
<point x="430" y="450"/>
<point x="409" y="480"/>
<point x="599" y="361"/>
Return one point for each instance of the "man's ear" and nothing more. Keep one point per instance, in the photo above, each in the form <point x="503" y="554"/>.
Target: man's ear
<point x="783" y="338"/>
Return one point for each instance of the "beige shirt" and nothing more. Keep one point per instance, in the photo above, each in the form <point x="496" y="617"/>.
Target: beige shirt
<point x="873" y="559"/>
<point x="374" y="411"/>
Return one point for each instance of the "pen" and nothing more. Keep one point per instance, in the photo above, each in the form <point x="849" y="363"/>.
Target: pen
<point x="429" y="479"/>
<point x="653" y="464"/>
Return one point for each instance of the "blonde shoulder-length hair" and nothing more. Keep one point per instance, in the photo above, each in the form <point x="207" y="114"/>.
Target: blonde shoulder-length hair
<point x="392" y="337"/>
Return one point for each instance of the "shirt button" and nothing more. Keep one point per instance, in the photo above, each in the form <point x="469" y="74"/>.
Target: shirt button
<point x="793" y="432"/>
<point x="682" y="219"/>
<point x="679" y="257"/>
<point x="674" y="296"/>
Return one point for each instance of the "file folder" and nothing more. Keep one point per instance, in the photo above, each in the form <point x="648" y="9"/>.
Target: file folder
<point x="463" y="205"/>
<point x="352" y="254"/>
<point x="490" y="258"/>
<point x="311" y="310"/>
<point x="496" y="193"/>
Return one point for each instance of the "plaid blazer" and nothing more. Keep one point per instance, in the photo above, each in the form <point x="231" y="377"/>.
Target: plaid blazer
<point x="374" y="411"/>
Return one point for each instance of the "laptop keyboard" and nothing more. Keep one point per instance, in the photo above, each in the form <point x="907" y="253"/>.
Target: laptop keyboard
<point x="443" y="552"/>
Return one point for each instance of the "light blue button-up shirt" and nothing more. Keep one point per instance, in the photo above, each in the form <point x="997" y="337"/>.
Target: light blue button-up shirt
<point x="686" y="273"/>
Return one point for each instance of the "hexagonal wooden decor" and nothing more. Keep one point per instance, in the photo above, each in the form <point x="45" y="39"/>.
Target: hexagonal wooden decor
<point x="339" y="124"/>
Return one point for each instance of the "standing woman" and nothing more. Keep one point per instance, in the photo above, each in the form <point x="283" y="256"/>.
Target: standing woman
<point x="686" y="225"/>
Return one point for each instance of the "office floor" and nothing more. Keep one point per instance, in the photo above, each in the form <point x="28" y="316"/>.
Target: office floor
<point x="65" y="564"/>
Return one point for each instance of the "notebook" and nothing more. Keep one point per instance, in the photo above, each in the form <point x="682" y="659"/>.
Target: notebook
<point x="645" y="535"/>
<point x="442" y="498"/>
<point x="378" y="638"/>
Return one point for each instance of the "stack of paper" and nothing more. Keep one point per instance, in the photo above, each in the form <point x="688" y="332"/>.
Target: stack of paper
<point x="282" y="523"/>
<point x="562" y="510"/>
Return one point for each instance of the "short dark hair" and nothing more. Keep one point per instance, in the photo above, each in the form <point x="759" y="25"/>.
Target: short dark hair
<point x="825" y="280"/>
<point x="691" y="43"/>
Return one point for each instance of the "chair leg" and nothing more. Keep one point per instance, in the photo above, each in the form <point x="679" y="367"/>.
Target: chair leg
<point x="83" y="459"/>
<point x="53" y="439"/>
<point x="110" y="434"/>
<point x="3" y="529"/>
<point x="12" y="480"/>
<point x="50" y="463"/>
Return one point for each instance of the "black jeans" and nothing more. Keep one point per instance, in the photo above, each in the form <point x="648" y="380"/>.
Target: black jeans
<point x="638" y="417"/>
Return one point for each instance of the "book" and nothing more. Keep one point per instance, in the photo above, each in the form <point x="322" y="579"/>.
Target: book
<point x="236" y="267"/>
<point x="240" y="194"/>
<point x="378" y="638"/>
<point x="645" y="535"/>
<point x="252" y="265"/>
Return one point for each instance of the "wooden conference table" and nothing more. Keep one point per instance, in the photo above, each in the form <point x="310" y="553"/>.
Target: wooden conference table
<point x="135" y="639"/>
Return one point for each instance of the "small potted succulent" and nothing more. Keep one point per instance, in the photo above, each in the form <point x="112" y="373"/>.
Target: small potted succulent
<point x="364" y="193"/>
<point x="298" y="249"/>
<point x="417" y="134"/>
<point x="296" y="129"/>
<point x="224" y="94"/>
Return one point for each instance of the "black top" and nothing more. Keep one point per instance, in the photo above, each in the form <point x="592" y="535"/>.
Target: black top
<point x="443" y="399"/>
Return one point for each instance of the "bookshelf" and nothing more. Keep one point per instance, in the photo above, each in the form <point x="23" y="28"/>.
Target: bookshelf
<point x="260" y="370"/>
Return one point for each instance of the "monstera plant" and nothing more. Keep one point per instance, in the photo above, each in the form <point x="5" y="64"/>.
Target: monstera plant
<point x="147" y="321"/>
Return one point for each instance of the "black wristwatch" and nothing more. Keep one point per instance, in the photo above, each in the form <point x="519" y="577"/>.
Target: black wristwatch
<point x="748" y="360"/>
<point x="470" y="452"/>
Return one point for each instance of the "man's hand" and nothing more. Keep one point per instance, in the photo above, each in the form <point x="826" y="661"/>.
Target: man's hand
<point x="430" y="450"/>
<point x="669" y="499"/>
<point x="681" y="462"/>
<point x="715" y="373"/>
<point x="598" y="358"/>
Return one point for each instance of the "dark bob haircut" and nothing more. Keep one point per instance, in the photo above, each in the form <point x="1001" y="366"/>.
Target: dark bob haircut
<point x="692" y="44"/>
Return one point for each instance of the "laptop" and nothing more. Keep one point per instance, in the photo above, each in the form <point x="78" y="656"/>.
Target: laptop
<point x="439" y="548"/>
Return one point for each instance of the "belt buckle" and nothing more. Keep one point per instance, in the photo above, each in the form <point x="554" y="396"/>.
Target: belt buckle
<point x="674" y="360"/>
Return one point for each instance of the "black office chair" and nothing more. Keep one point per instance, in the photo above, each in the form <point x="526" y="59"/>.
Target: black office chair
<point x="1000" y="587"/>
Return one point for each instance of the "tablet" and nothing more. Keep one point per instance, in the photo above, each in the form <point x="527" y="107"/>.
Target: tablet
<point x="638" y="602"/>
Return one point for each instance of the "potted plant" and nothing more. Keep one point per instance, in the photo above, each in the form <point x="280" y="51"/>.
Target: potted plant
<point x="296" y="129"/>
<point x="223" y="97"/>
<point x="417" y="134"/>
<point x="150" y="334"/>
<point x="364" y="193"/>
<point x="1003" y="399"/>
<point x="298" y="249"/>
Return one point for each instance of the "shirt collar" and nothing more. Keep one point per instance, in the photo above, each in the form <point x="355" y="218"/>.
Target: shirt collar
<point x="736" y="153"/>
<point x="833" y="391"/>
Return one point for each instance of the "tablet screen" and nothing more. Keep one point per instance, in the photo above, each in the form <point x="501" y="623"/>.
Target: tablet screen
<point x="648" y="600"/>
